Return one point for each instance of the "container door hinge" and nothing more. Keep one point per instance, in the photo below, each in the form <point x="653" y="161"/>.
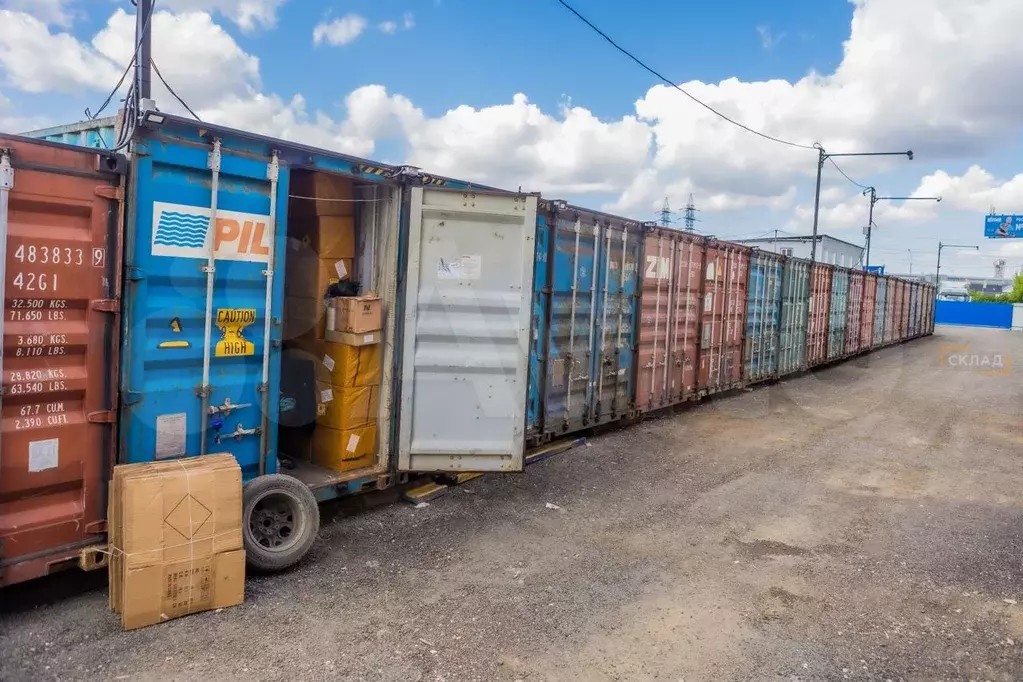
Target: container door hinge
<point x="106" y="305"/>
<point x="135" y="274"/>
<point x="110" y="192"/>
<point x="101" y="417"/>
<point x="131" y="397"/>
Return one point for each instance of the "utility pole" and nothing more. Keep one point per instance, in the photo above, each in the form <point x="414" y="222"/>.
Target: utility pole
<point x="143" y="62"/>
<point x="910" y="261"/>
<point x="872" y="193"/>
<point x="937" y="272"/>
<point x="665" y="214"/>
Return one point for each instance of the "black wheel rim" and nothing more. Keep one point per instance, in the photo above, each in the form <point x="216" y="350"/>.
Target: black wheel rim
<point x="276" y="522"/>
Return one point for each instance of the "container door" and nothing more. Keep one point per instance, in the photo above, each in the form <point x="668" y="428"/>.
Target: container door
<point x="60" y="210"/>
<point x="209" y="222"/>
<point x="616" y="320"/>
<point x="467" y="313"/>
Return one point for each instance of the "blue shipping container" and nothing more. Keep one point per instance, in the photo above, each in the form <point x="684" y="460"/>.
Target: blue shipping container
<point x="794" y="316"/>
<point x="836" y="318"/>
<point x="763" y="303"/>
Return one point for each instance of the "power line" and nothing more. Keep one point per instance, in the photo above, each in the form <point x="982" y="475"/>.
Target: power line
<point x="655" y="73"/>
<point x="839" y="169"/>
<point x="127" y="70"/>
<point x="171" y="91"/>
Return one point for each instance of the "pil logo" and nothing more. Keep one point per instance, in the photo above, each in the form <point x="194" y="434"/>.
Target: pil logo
<point x="181" y="231"/>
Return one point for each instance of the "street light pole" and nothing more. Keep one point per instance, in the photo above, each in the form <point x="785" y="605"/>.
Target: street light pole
<point x="937" y="270"/>
<point x="823" y="156"/>
<point x="872" y="193"/>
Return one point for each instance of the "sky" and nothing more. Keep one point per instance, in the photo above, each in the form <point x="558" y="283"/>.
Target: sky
<point x="524" y="95"/>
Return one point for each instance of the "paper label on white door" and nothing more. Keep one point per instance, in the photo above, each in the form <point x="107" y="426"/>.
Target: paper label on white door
<point x="326" y="395"/>
<point x="448" y="269"/>
<point x="42" y="454"/>
<point x="472" y="266"/>
<point x="353" y="443"/>
<point x="170" y="435"/>
<point x="328" y="362"/>
<point x="342" y="271"/>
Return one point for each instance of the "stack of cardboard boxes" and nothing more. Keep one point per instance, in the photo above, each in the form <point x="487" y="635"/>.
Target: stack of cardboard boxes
<point x="342" y="334"/>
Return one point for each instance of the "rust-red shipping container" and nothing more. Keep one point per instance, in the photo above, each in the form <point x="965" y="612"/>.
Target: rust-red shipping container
<point x="867" y="316"/>
<point x="60" y="216"/>
<point x="671" y="291"/>
<point x="820" y="307"/>
<point x="854" y="312"/>
<point x="725" y="274"/>
<point x="890" y="307"/>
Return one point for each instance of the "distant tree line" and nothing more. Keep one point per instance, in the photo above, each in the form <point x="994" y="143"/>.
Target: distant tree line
<point x="1014" y="296"/>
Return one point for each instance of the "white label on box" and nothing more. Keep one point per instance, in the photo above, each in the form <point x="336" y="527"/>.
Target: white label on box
<point x="368" y="338"/>
<point x="342" y="271"/>
<point x="328" y="362"/>
<point x="448" y="269"/>
<point x="353" y="443"/>
<point x="170" y="435"/>
<point x="472" y="266"/>
<point x="326" y="395"/>
<point x="42" y="454"/>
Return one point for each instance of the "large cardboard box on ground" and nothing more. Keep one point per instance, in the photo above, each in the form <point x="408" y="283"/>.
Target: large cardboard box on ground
<point x="346" y="408"/>
<point x="343" y="365"/>
<point x="345" y="449"/>
<point x="357" y="314"/>
<point x="333" y="195"/>
<point x="330" y="237"/>
<point x="175" y="532"/>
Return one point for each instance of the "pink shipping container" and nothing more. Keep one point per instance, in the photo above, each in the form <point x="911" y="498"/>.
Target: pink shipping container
<point x="820" y="304"/>
<point x="867" y="315"/>
<point x="670" y="298"/>
<point x="725" y="274"/>
<point x="854" y="312"/>
<point x="903" y="310"/>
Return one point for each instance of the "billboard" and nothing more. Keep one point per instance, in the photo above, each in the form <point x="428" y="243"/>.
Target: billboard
<point x="1003" y="226"/>
<point x="876" y="269"/>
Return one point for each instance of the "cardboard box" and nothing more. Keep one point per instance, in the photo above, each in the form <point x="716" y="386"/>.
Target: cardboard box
<point x="351" y="339"/>
<point x="345" y="450"/>
<point x="357" y="314"/>
<point x="325" y="236"/>
<point x="346" y="408"/>
<point x="175" y="532"/>
<point x="304" y="318"/>
<point x="310" y="278"/>
<point x="345" y="365"/>
<point x="334" y="195"/>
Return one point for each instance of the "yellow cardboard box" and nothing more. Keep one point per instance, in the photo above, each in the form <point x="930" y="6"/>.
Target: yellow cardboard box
<point x="310" y="277"/>
<point x="342" y="365"/>
<point x="346" y="408"/>
<point x="333" y="194"/>
<point x="331" y="237"/>
<point x="345" y="449"/>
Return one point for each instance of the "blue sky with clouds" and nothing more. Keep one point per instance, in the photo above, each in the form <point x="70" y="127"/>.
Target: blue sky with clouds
<point x="523" y="94"/>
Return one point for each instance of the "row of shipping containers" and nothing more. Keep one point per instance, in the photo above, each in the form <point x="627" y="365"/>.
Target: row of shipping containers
<point x="509" y="321"/>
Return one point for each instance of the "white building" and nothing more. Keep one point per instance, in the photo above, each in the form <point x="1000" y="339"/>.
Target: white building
<point x="829" y="249"/>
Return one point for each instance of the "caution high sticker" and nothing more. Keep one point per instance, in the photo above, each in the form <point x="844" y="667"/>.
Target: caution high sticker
<point x="232" y="323"/>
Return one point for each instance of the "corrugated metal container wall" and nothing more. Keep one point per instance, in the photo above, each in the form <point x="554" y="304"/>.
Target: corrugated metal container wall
<point x="820" y="309"/>
<point x="917" y="311"/>
<point x="904" y="315"/>
<point x="929" y="319"/>
<point x="794" y="322"/>
<point x="880" y="305"/>
<point x="839" y="307"/>
<point x="100" y="133"/>
<point x="670" y="299"/>
<point x="60" y="221"/>
<point x="854" y="312"/>
<point x="538" y="338"/>
<point x="890" y="322"/>
<point x="621" y="248"/>
<point x="763" y="303"/>
<point x="724" y="307"/>
<point x="867" y="312"/>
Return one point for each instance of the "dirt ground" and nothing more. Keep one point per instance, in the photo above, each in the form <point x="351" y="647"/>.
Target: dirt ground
<point x="864" y="522"/>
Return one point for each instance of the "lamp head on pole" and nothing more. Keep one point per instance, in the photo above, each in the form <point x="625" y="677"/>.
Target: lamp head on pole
<point x="909" y="154"/>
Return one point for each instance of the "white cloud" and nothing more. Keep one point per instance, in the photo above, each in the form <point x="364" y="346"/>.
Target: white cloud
<point x="408" y="20"/>
<point x="769" y="40"/>
<point x="975" y="190"/>
<point x="11" y="119"/>
<point x="339" y="31"/>
<point x="57" y="12"/>
<point x="248" y="14"/>
<point x="388" y="27"/>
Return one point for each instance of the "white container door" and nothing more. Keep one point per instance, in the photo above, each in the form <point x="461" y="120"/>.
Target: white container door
<point x="466" y="344"/>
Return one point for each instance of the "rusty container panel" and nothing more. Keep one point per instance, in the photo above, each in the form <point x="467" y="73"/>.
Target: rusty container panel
<point x="837" y="313"/>
<point x="867" y="312"/>
<point x="915" y="311"/>
<point x="60" y="352"/>
<point x="880" y="303"/>
<point x="928" y="303"/>
<point x="853" y="312"/>
<point x="904" y="310"/>
<point x="722" y="323"/>
<point x="670" y="298"/>
<point x="794" y="316"/>
<point x="891" y="294"/>
<point x="820" y="309"/>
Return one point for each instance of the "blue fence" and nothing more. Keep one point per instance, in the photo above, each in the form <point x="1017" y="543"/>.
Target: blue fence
<point x="974" y="314"/>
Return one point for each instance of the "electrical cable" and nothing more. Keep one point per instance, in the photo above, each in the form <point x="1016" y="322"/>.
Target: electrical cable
<point x="171" y="91"/>
<point x="668" y="81"/>
<point x="131" y="63"/>
<point x="839" y="169"/>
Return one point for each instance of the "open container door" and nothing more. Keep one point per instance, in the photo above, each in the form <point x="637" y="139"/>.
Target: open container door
<point x="467" y="323"/>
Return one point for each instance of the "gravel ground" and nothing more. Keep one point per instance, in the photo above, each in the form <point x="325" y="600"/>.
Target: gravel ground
<point x="862" y="523"/>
